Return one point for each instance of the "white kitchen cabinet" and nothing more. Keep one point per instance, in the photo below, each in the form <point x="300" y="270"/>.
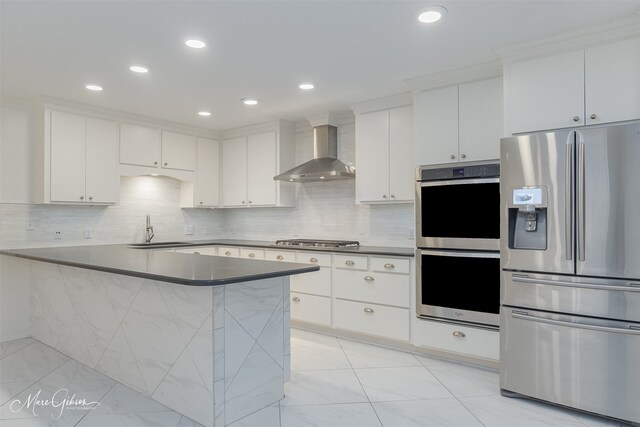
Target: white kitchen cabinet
<point x="83" y="159"/>
<point x="462" y="340"/>
<point x="251" y="253"/>
<point x="612" y="82"/>
<point x="317" y="282"/>
<point x="372" y="319"/>
<point x="205" y="191"/>
<point x="281" y="256"/>
<point x="140" y="145"/>
<point x="458" y="123"/>
<point x="249" y="163"/>
<point x="596" y="85"/>
<point x="178" y="151"/>
<point x="378" y="288"/>
<point x="151" y="147"/>
<point x="311" y="308"/>
<point x="384" y="156"/>
<point x="232" y="252"/>
<point x="204" y="250"/>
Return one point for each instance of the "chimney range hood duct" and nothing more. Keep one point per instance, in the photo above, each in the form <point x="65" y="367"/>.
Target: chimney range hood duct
<point x="324" y="166"/>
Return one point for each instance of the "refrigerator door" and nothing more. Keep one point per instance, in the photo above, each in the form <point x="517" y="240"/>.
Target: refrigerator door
<point x="543" y="161"/>
<point x="581" y="362"/>
<point x="608" y="201"/>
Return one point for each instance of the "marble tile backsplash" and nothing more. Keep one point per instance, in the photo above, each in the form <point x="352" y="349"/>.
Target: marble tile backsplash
<point x="324" y="210"/>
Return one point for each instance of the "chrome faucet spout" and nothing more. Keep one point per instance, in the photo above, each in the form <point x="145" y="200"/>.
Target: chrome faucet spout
<point x="148" y="234"/>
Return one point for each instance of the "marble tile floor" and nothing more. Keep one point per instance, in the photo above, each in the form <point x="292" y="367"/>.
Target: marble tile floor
<point x="335" y="382"/>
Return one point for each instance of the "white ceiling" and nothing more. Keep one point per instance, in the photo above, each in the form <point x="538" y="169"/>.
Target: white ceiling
<point x="353" y="50"/>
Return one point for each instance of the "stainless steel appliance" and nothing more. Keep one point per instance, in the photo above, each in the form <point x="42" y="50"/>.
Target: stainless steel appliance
<point x="318" y="243"/>
<point x="458" y="231"/>
<point x="570" y="256"/>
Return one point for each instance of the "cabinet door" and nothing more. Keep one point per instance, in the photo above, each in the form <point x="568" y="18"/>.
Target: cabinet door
<point x="480" y="120"/>
<point x="612" y="82"/>
<point x="436" y="126"/>
<point x="234" y="172"/>
<point x="402" y="172"/>
<point x="207" y="190"/>
<point x="139" y="145"/>
<point x="67" y="157"/>
<point x="372" y="157"/>
<point x="178" y="151"/>
<point x="547" y="93"/>
<point x="102" y="161"/>
<point x="261" y="168"/>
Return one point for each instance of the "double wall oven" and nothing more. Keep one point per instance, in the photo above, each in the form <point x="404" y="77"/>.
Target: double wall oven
<point x="458" y="243"/>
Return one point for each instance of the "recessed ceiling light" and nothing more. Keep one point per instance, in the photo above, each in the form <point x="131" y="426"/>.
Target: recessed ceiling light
<point x="306" y="86"/>
<point x="249" y="101"/>
<point x="94" y="88"/>
<point x="432" y="14"/>
<point x="196" y="44"/>
<point x="204" y="113"/>
<point x="142" y="69"/>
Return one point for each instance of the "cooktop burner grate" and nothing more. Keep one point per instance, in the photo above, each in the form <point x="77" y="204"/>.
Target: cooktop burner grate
<point x="318" y="243"/>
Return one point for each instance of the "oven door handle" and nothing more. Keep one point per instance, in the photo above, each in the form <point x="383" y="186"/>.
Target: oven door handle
<point x="620" y="288"/>
<point x="528" y="317"/>
<point x="458" y="182"/>
<point x="460" y="254"/>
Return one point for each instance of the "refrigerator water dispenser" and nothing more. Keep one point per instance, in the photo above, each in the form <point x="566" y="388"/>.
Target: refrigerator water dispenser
<point x="528" y="219"/>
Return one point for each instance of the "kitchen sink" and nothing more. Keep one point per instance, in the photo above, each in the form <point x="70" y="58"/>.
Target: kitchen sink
<point x="156" y="245"/>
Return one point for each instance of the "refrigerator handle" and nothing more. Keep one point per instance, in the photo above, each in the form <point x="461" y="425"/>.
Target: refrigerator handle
<point x="569" y="199"/>
<point x="580" y="200"/>
<point x="523" y="315"/>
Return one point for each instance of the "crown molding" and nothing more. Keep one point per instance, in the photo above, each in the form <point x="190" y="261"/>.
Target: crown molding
<point x="483" y="71"/>
<point x="384" y="103"/>
<point x="579" y="39"/>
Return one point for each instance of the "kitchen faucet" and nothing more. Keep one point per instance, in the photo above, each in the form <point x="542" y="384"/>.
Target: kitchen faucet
<point x="148" y="234"/>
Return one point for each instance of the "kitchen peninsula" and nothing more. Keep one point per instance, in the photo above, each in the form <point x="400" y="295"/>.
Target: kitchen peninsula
<point x="206" y="336"/>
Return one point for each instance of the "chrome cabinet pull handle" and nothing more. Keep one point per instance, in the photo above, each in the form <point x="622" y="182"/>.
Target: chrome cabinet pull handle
<point x="252" y="255"/>
<point x="295" y="299"/>
<point x="368" y="310"/>
<point x="389" y="265"/>
<point x="368" y="278"/>
<point x="453" y="156"/>
<point x="464" y="156"/>
<point x="459" y="334"/>
<point x="314" y="260"/>
<point x="384" y="196"/>
<point x="576" y="118"/>
<point x="227" y="253"/>
<point x="593" y="117"/>
<point x="90" y="197"/>
<point x="279" y="257"/>
<point x="196" y="253"/>
<point x="166" y="164"/>
<point x="350" y="263"/>
<point x="155" y="163"/>
<point x="81" y="197"/>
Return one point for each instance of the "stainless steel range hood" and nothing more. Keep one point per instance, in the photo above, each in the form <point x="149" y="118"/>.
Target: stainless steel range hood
<point x="324" y="166"/>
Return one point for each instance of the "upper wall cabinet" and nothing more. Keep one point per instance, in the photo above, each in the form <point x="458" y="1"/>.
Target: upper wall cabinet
<point x="205" y="191"/>
<point x="384" y="156"/>
<point x="458" y="123"/>
<point x="589" y="86"/>
<point x="80" y="159"/>
<point x="249" y="163"/>
<point x="144" y="146"/>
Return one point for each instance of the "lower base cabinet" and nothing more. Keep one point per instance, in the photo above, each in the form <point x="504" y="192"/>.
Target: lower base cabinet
<point x="372" y="319"/>
<point x="463" y="340"/>
<point x="311" y="308"/>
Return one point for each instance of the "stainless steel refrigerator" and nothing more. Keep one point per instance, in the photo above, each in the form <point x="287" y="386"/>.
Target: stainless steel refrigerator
<point x="570" y="259"/>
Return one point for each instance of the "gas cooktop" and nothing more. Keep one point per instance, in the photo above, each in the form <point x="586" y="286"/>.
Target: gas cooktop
<point x="318" y="243"/>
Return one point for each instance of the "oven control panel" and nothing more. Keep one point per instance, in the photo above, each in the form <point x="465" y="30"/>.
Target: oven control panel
<point x="490" y="170"/>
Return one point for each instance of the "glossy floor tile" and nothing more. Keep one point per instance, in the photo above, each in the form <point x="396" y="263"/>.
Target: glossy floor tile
<point x="335" y="382"/>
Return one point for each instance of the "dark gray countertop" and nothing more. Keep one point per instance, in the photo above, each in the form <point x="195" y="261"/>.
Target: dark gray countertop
<point x="364" y="250"/>
<point x="185" y="269"/>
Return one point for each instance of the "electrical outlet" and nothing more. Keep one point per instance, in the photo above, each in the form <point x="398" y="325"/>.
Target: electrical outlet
<point x="188" y="229"/>
<point x="87" y="232"/>
<point x="57" y="234"/>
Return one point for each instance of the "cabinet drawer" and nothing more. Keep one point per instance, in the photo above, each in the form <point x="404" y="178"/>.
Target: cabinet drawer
<point x="225" y="251"/>
<point x="323" y="260"/>
<point x="458" y="339"/>
<point x="390" y="265"/>
<point x="381" y="288"/>
<point x="208" y="250"/>
<point x="250" y="253"/>
<point x="351" y="262"/>
<point x="283" y="256"/>
<point x="372" y="319"/>
<point x="311" y="308"/>
<point x="317" y="282"/>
